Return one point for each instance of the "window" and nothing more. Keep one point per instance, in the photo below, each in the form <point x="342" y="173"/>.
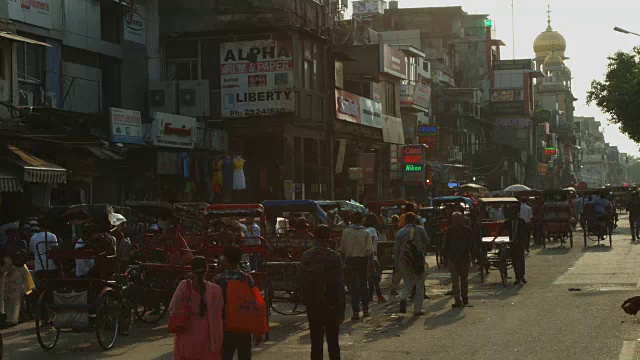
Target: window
<point x="182" y="60"/>
<point x="310" y="66"/>
<point x="111" y="21"/>
<point x="389" y="104"/>
<point x="30" y="73"/>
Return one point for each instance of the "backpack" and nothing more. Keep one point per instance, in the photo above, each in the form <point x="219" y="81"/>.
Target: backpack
<point x="313" y="284"/>
<point x="412" y="257"/>
<point x="245" y="309"/>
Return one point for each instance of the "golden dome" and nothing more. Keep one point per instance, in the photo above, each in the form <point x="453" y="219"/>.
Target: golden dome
<point x="553" y="60"/>
<point x="548" y="41"/>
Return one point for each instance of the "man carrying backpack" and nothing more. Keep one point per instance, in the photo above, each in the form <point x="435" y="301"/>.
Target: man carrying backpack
<point x="321" y="287"/>
<point x="409" y="251"/>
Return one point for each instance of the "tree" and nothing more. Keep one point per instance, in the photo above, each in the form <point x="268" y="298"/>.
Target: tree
<point x="619" y="94"/>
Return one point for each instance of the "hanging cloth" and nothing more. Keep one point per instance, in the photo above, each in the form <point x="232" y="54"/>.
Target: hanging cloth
<point x="238" y="174"/>
<point x="227" y="174"/>
<point x="185" y="164"/>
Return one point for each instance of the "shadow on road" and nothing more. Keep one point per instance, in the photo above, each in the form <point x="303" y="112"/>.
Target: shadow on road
<point x="597" y="248"/>
<point x="558" y="250"/>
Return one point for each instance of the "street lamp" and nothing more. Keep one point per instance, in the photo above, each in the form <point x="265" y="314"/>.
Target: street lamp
<point x="625" y="31"/>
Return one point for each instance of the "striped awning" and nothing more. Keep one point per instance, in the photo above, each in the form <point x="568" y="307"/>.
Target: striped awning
<point x="9" y="182"/>
<point x="36" y="170"/>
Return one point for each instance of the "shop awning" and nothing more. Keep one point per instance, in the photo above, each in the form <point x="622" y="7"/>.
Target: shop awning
<point x="15" y="37"/>
<point x="104" y="154"/>
<point x="34" y="169"/>
<point x="9" y="182"/>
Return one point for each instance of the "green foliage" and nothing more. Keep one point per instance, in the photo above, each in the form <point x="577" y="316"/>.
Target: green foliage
<point x="633" y="172"/>
<point x="619" y="94"/>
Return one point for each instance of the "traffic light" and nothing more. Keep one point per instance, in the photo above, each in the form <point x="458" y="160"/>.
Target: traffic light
<point x="488" y="23"/>
<point x="429" y="178"/>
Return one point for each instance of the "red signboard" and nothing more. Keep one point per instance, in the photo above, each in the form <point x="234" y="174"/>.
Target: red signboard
<point x="393" y="61"/>
<point x="413" y="159"/>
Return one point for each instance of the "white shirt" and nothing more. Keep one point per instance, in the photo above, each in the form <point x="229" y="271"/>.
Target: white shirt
<point x="374" y="240"/>
<point x="252" y="234"/>
<point x="356" y="242"/>
<point x="40" y="251"/>
<point x="526" y="213"/>
<point x="83" y="265"/>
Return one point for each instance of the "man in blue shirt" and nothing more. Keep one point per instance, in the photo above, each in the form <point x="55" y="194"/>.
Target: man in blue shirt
<point x="418" y="235"/>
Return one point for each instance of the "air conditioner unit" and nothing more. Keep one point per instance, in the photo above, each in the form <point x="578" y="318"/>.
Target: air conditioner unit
<point x="193" y="98"/>
<point x="163" y="97"/>
<point x="455" y="154"/>
<point x="51" y="99"/>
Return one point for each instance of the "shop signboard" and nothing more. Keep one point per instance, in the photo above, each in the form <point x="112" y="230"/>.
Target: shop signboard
<point x="415" y="94"/>
<point x="174" y="130"/>
<point x="357" y="109"/>
<point x="134" y="24"/>
<point x="414" y="163"/>
<point x="126" y="126"/>
<point x="550" y="151"/>
<point x="257" y="78"/>
<point x="34" y="12"/>
<point x="392" y="61"/>
<point x="377" y="91"/>
<point x="425" y="130"/>
<point x="506" y="95"/>
<point x="516" y="64"/>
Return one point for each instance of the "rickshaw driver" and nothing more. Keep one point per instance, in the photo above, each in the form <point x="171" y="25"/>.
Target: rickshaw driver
<point x="599" y="206"/>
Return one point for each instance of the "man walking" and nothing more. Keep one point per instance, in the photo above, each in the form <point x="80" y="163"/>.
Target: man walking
<point x="526" y="214"/>
<point x="517" y="234"/>
<point x="458" y="244"/>
<point x="409" y="251"/>
<point x="356" y="246"/>
<point x="634" y="214"/>
<point x="321" y="284"/>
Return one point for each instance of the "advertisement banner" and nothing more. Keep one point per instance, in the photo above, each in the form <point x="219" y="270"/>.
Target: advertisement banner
<point x="542" y="169"/>
<point x="518" y="64"/>
<point x="174" y="130"/>
<point x="126" y="126"/>
<point x="422" y="95"/>
<point x="34" y="12"/>
<point x="257" y="78"/>
<point x="356" y="109"/>
<point x="406" y="94"/>
<point x="393" y="62"/>
<point x="506" y="95"/>
<point x="135" y="29"/>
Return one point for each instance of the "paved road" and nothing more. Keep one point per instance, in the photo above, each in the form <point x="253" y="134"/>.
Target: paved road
<point x="540" y="320"/>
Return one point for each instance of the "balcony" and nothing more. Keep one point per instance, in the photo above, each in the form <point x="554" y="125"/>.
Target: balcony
<point x="232" y="15"/>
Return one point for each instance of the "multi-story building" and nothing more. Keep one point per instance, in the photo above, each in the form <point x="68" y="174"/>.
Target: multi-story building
<point x="65" y="65"/>
<point x="554" y="104"/>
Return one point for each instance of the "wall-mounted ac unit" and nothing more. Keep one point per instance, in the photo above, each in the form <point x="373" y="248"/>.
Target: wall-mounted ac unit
<point x="455" y="154"/>
<point x="163" y="97"/>
<point x="51" y="99"/>
<point x="193" y="98"/>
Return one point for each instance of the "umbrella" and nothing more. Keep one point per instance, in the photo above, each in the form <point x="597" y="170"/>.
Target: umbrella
<point x="517" y="188"/>
<point x="474" y="187"/>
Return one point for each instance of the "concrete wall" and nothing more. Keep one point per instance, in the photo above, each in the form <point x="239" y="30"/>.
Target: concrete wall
<point x="85" y="95"/>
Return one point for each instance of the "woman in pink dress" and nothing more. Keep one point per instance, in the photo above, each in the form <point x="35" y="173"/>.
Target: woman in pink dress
<point x="202" y="338"/>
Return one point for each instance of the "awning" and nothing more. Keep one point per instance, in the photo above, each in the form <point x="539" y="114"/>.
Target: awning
<point x="9" y="182"/>
<point x="14" y="37"/>
<point x="34" y="169"/>
<point x="104" y="154"/>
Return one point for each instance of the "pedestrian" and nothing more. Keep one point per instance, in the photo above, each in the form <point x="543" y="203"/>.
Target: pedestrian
<point x="526" y="214"/>
<point x="356" y="246"/>
<point x="321" y="284"/>
<point x="458" y="245"/>
<point x="409" y="251"/>
<point x="41" y="242"/>
<point x="633" y="206"/>
<point x="375" y="275"/>
<point x="239" y="342"/>
<point x="123" y="244"/>
<point x="201" y="336"/>
<point x="517" y="235"/>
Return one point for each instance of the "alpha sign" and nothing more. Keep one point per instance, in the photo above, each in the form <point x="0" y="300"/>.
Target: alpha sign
<point x="257" y="78"/>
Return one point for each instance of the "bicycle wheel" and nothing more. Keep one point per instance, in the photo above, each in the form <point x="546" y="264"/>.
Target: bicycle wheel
<point x="48" y="334"/>
<point x="127" y="317"/>
<point x="107" y="320"/>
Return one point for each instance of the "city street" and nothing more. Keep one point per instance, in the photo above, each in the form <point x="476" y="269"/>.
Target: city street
<point x="570" y="309"/>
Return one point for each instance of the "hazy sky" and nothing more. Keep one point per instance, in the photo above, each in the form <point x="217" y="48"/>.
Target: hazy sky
<point x="586" y="25"/>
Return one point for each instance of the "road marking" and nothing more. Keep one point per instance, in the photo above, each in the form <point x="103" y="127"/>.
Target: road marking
<point x="628" y="350"/>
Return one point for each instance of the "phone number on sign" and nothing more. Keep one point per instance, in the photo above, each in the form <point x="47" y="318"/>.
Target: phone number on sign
<point x="256" y="112"/>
